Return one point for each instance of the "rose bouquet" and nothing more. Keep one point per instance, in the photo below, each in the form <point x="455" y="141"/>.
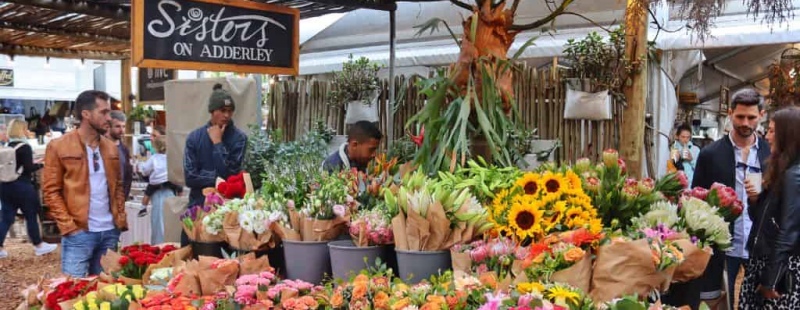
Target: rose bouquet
<point x="372" y="227"/>
<point x="111" y="297"/>
<point x="720" y="196"/>
<point x="325" y="213"/>
<point x="247" y="222"/>
<point x="540" y="204"/>
<point x="252" y="289"/>
<point x="556" y="259"/>
<point x="499" y="256"/>
<point x="135" y="259"/>
<point x="368" y="290"/>
<point x="62" y="294"/>
<point x="705" y="223"/>
<point x="294" y="294"/>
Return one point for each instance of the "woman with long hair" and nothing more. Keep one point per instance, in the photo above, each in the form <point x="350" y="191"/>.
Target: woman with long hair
<point x="21" y="194"/>
<point x="774" y="244"/>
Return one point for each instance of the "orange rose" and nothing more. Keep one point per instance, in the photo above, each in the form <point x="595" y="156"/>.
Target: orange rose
<point x="361" y="278"/>
<point x="381" y="301"/>
<point x="337" y="300"/>
<point x="401" y="304"/>
<point x="359" y="290"/>
<point x="574" y="254"/>
<point x="380" y="282"/>
<point x="436" y="299"/>
<point x="489" y="279"/>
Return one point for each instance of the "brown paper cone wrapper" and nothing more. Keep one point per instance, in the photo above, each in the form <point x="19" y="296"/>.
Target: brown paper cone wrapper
<point x="232" y="230"/>
<point x="694" y="264"/>
<point x="667" y="275"/>
<point x="172" y="259"/>
<point x="518" y="270"/>
<point x="360" y="239"/>
<point x="249" y="264"/>
<point x="418" y="230"/>
<point x="69" y="303"/>
<point x="129" y="281"/>
<point x="461" y="262"/>
<point x="215" y="280"/>
<point x="439" y="229"/>
<point x="105" y="278"/>
<point x="399" y="231"/>
<point x="321" y="230"/>
<point x="624" y="268"/>
<point x="110" y="262"/>
<point x="578" y="275"/>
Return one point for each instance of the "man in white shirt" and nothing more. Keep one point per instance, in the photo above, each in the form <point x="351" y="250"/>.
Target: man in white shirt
<point x="83" y="189"/>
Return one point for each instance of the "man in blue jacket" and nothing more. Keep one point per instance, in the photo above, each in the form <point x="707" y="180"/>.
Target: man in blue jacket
<point x="214" y="150"/>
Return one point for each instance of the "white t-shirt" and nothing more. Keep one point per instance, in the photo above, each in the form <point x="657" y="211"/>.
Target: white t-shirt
<point x="156" y="168"/>
<point x="100" y="218"/>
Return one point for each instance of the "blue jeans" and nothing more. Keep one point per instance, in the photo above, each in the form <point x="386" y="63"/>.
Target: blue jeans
<point x="157" y="215"/>
<point x="20" y="195"/>
<point x="81" y="253"/>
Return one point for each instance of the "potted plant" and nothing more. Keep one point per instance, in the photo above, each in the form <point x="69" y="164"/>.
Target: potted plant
<point x="357" y="87"/>
<point x="140" y="116"/>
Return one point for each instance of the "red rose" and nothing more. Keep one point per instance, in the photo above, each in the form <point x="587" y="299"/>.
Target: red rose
<point x="124" y="260"/>
<point x="139" y="262"/>
<point x="168" y="248"/>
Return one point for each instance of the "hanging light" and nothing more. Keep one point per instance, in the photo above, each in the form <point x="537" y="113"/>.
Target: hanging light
<point x="47" y="63"/>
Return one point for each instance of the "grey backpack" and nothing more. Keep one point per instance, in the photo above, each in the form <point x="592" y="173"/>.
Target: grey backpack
<point x="8" y="163"/>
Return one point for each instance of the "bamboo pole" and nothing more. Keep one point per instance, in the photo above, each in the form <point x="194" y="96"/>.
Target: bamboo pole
<point x="632" y="139"/>
<point x="127" y="105"/>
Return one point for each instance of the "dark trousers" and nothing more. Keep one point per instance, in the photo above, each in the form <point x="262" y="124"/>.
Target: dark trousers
<point x="688" y="294"/>
<point x="20" y="195"/>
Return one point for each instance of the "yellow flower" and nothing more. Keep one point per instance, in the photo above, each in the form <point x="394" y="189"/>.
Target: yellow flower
<point x="500" y="206"/>
<point x="595" y="226"/>
<point x="530" y="287"/>
<point x="529" y="183"/>
<point x="138" y="292"/>
<point x="572" y="214"/>
<point x="557" y="213"/>
<point x="91" y="297"/>
<point x="93" y="306"/>
<point x="554" y="184"/>
<point x="78" y="306"/>
<point x="574" y="180"/>
<point x="524" y="219"/>
<point x="105" y="305"/>
<point x="562" y="296"/>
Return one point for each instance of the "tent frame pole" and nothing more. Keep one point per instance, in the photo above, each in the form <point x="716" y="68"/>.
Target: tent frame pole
<point x="390" y="100"/>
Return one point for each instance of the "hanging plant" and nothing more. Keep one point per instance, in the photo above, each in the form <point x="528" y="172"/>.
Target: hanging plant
<point x="140" y="113"/>
<point x="357" y="81"/>
<point x="602" y="62"/>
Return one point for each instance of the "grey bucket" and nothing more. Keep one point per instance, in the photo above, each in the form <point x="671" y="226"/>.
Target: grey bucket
<point x="348" y="259"/>
<point x="415" y="266"/>
<point x="307" y="261"/>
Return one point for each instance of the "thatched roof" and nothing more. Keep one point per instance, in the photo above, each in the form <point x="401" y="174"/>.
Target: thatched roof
<point x="100" y="29"/>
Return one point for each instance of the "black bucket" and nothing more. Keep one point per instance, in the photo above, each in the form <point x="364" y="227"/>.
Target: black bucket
<point x="213" y="249"/>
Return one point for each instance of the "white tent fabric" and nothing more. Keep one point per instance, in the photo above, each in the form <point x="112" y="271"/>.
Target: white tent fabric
<point x="662" y="80"/>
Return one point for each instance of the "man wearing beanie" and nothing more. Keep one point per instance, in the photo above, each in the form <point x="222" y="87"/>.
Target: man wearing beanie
<point x="214" y="150"/>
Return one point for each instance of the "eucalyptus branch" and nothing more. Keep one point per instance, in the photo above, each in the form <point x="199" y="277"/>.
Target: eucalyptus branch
<point x="558" y="11"/>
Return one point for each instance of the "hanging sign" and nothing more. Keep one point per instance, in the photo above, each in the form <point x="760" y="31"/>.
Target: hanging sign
<point x="151" y="84"/>
<point x="215" y="35"/>
<point x="6" y="77"/>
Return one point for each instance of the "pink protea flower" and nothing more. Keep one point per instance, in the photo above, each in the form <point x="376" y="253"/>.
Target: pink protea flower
<point x="610" y="157"/>
<point x="699" y="193"/>
<point x="646" y="186"/>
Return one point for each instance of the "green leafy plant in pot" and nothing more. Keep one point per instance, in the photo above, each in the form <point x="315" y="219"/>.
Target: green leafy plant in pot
<point x="356" y="87"/>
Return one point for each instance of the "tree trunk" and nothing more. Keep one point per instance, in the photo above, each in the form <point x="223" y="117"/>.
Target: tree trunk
<point x="632" y="140"/>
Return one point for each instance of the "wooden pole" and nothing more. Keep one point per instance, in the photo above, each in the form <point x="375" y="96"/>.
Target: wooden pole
<point x="633" y="117"/>
<point x="127" y="105"/>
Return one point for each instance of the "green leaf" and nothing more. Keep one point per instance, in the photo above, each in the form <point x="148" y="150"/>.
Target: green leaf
<point x="524" y="47"/>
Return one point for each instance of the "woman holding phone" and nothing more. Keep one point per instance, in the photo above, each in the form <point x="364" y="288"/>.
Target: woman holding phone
<point x="772" y="274"/>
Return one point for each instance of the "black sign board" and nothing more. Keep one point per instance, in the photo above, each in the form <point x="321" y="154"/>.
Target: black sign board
<point x="215" y="35"/>
<point x="6" y="77"/>
<point x="151" y="83"/>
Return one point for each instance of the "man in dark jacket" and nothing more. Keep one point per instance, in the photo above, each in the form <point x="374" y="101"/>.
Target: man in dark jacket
<point x="214" y="150"/>
<point x="728" y="161"/>
<point x="116" y="133"/>
<point x="363" y="140"/>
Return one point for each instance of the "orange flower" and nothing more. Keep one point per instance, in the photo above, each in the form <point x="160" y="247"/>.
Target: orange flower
<point x="361" y="278"/>
<point x="381" y="301"/>
<point x="454" y="300"/>
<point x="436" y="299"/>
<point x="337" y="300"/>
<point x="401" y="304"/>
<point x="309" y="302"/>
<point x="489" y="279"/>
<point x="380" y="282"/>
<point x="574" y="254"/>
<point x="359" y="290"/>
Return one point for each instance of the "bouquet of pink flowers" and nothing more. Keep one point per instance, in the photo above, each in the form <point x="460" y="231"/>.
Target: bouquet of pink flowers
<point x="496" y="256"/>
<point x="249" y="287"/>
<point x="722" y="197"/>
<point x="372" y="227"/>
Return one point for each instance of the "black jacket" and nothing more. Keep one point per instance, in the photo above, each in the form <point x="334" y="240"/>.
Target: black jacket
<point x="777" y="231"/>
<point x="24" y="156"/>
<point x="717" y="163"/>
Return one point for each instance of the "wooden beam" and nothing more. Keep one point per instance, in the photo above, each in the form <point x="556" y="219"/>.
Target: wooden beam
<point x="633" y="118"/>
<point x="127" y="105"/>
<point x="10" y="49"/>
<point x="43" y="29"/>
<point x="90" y="8"/>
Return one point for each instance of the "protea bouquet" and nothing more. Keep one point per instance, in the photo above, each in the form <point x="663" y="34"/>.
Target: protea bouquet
<point x="720" y="196"/>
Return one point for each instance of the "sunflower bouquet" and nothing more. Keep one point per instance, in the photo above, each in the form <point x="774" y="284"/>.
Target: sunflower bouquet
<point x="557" y="260"/>
<point x="541" y="204"/>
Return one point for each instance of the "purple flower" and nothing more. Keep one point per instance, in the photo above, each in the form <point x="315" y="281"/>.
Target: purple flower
<point x="694" y="239"/>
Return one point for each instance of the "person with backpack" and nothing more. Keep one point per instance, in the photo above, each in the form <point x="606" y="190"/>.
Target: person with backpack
<point x="18" y="191"/>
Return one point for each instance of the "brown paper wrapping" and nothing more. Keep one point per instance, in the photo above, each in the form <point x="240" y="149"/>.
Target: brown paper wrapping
<point x="172" y="259"/>
<point x="110" y="262"/>
<point x="418" y="230"/>
<point x="215" y="280"/>
<point x="624" y="268"/>
<point x="438" y="228"/>
<point x="189" y="284"/>
<point x="462" y="262"/>
<point x="69" y="303"/>
<point x="695" y="261"/>
<point x="399" y="232"/>
<point x="129" y="281"/>
<point x="322" y="230"/>
<point x="578" y="275"/>
<point x="241" y="239"/>
<point x="360" y="239"/>
<point x="249" y="264"/>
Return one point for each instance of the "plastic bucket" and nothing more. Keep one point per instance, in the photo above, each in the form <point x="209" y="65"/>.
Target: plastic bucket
<point x="213" y="249"/>
<point x="347" y="259"/>
<point x="307" y="261"/>
<point x="415" y="266"/>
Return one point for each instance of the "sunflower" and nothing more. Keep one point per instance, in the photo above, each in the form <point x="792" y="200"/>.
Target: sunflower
<point x="562" y="296"/>
<point x="574" y="180"/>
<point x="530" y="184"/>
<point x="554" y="184"/>
<point x="499" y="204"/>
<point x="595" y="226"/>
<point x="572" y="214"/>
<point x="556" y="214"/>
<point x="525" y="219"/>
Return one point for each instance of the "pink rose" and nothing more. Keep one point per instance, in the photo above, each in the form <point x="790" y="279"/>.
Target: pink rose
<point x="699" y="193"/>
<point x="479" y="254"/>
<point x="339" y="210"/>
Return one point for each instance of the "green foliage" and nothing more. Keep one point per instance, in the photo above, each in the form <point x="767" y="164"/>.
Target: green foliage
<point x="602" y="61"/>
<point x="357" y="81"/>
<point x="403" y="149"/>
<point x="139" y="113"/>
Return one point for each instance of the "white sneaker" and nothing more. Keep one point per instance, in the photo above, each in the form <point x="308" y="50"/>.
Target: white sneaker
<point x="3" y="254"/>
<point x="45" y="248"/>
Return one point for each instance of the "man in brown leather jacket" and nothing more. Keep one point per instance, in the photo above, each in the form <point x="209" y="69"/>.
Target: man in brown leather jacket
<point x="83" y="188"/>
